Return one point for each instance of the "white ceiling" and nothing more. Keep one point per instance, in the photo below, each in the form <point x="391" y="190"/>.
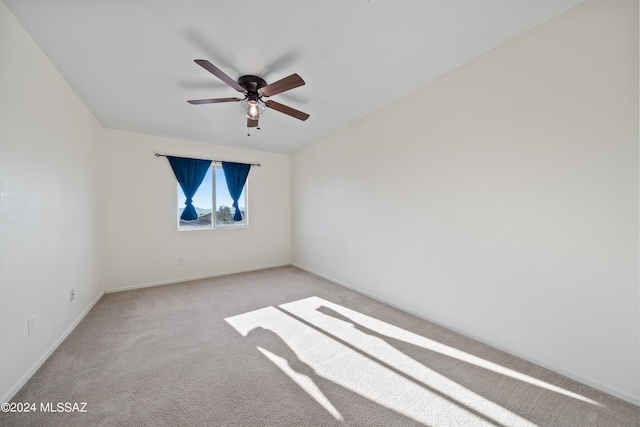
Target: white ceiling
<point x="131" y="61"/>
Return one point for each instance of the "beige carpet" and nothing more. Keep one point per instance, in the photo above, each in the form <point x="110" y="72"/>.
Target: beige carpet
<point x="281" y="347"/>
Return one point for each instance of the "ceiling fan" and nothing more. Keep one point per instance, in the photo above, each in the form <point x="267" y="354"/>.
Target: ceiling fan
<point x="254" y="89"/>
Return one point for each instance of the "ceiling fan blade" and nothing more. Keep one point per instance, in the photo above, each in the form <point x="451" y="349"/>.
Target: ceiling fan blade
<point x="287" y="110"/>
<point x="213" y="101"/>
<point x="219" y="74"/>
<point x="252" y="123"/>
<point x="282" y="85"/>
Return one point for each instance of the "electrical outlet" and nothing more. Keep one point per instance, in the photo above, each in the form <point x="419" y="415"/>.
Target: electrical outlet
<point x="72" y="295"/>
<point x="180" y="261"/>
<point x="31" y="323"/>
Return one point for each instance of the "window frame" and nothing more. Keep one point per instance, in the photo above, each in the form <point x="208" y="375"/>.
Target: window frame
<point x="214" y="218"/>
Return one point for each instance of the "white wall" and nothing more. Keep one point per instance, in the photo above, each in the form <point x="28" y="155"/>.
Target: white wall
<point x="49" y="147"/>
<point x="142" y="244"/>
<point x="500" y="200"/>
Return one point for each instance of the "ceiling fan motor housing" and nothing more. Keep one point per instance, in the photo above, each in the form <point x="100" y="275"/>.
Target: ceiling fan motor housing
<point x="251" y="83"/>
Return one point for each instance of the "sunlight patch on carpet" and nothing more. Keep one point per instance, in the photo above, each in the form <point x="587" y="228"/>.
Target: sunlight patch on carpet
<point x="308" y="309"/>
<point x="348" y="368"/>
<point x="313" y="340"/>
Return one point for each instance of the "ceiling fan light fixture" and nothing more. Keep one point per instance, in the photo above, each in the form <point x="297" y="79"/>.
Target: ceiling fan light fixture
<point x="253" y="106"/>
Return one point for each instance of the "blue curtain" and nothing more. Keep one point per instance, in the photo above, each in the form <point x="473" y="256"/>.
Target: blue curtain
<point x="189" y="173"/>
<point x="236" y="176"/>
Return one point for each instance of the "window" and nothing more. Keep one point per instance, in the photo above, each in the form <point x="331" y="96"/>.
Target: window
<point x="213" y="192"/>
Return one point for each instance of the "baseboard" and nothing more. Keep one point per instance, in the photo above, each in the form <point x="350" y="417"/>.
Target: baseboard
<point x="23" y="380"/>
<point x="558" y="369"/>
<point x="188" y="279"/>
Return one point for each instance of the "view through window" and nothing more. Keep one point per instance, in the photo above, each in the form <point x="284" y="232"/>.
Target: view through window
<point x="213" y="192"/>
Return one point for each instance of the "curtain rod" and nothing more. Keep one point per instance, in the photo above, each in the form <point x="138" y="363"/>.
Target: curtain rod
<point x="215" y="161"/>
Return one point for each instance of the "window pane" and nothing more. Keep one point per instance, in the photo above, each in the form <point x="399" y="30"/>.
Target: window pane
<point x="202" y="201"/>
<point x="224" y="202"/>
